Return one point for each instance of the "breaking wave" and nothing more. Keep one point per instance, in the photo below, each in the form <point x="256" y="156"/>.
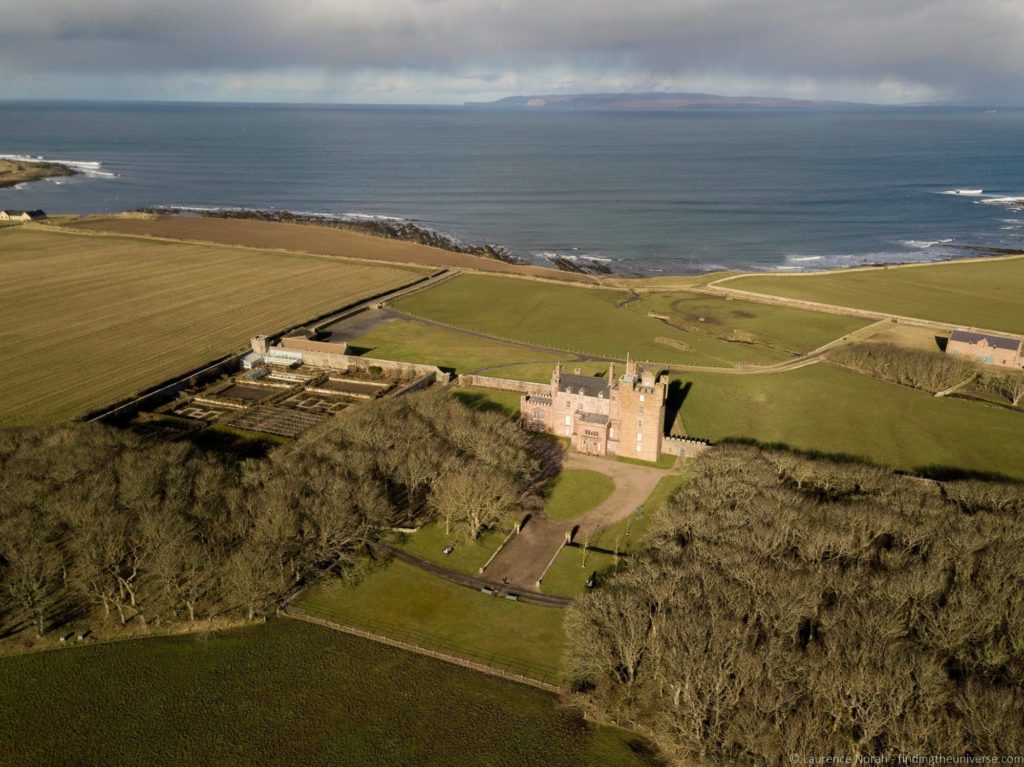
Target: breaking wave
<point x="965" y="192"/>
<point x="85" y="167"/>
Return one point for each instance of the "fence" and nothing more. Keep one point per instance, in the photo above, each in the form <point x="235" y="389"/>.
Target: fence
<point x="536" y="675"/>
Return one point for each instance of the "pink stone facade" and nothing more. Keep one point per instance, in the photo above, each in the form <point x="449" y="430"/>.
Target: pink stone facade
<point x="608" y="415"/>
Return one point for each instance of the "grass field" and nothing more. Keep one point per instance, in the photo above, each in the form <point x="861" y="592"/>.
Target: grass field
<point x="88" y="320"/>
<point x="407" y="341"/>
<point x="836" y="411"/>
<point x="283" y="693"/>
<point x="506" y="402"/>
<point x="984" y="294"/>
<point x="430" y="541"/>
<point x="404" y="602"/>
<point x="575" y="492"/>
<point x="613" y="323"/>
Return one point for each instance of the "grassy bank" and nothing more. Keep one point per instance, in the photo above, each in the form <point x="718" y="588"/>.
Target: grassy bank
<point x="836" y="411"/>
<point x="980" y="293"/>
<point x="283" y="693"/>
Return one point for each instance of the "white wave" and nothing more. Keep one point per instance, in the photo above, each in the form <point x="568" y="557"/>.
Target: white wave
<point x="849" y="260"/>
<point x="85" y="167"/>
<point x="1010" y="200"/>
<point x="550" y="254"/>
<point x="965" y="192"/>
<point x="924" y="244"/>
<point x="363" y="217"/>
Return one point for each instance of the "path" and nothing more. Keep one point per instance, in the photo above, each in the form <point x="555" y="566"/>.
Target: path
<point x="526" y="557"/>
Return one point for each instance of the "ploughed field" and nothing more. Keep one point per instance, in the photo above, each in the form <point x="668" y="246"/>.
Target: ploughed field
<point x="88" y="320"/>
<point x="308" y="238"/>
<point x="282" y="693"/>
<point x="983" y="293"/>
<point x="686" y="328"/>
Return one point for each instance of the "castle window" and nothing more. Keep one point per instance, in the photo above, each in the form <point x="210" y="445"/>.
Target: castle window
<point x="538" y="415"/>
<point x="639" y="448"/>
<point x="640" y="424"/>
<point x="639" y="437"/>
<point x="641" y="411"/>
<point x="641" y="397"/>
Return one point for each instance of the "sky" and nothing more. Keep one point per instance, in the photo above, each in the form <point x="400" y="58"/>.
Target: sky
<point x="452" y="51"/>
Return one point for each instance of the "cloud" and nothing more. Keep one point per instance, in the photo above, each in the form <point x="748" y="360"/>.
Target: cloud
<point x="438" y="50"/>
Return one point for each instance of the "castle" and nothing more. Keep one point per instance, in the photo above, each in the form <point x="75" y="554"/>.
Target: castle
<point x="622" y="416"/>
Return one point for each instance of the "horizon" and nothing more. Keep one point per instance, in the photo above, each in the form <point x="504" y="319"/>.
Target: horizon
<point x="447" y="52"/>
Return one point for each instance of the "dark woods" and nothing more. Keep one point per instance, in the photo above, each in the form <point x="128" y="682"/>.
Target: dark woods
<point x="97" y="519"/>
<point x="790" y="606"/>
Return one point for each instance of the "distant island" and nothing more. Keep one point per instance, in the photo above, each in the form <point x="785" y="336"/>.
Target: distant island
<point x="662" y="101"/>
<point x="14" y="172"/>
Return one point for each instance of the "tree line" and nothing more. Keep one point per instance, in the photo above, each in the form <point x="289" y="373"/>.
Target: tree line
<point x="786" y="605"/>
<point x="931" y="371"/>
<point x="98" y="518"/>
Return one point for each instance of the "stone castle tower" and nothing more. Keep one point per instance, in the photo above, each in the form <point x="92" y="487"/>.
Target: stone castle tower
<point x="641" y="395"/>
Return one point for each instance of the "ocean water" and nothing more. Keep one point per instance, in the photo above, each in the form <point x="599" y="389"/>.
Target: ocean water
<point x="650" y="192"/>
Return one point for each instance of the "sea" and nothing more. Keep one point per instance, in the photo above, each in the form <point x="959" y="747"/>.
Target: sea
<point x="641" y="192"/>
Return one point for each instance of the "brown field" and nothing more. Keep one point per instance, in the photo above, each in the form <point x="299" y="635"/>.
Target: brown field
<point x="309" y="238"/>
<point x="87" y="320"/>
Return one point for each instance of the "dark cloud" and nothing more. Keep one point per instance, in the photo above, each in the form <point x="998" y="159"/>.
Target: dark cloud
<point x="964" y="51"/>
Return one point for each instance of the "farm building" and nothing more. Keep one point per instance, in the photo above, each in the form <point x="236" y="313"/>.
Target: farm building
<point x="603" y="416"/>
<point x="22" y="215"/>
<point x="987" y="348"/>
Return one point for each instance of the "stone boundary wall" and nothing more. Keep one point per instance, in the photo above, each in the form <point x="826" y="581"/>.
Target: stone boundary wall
<point x="306" y="345"/>
<point x="505" y="384"/>
<point x="300" y="614"/>
<point x="684" y="446"/>
<point x="420" y="383"/>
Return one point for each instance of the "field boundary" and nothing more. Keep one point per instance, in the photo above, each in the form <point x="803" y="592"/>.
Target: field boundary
<point x="298" y="613"/>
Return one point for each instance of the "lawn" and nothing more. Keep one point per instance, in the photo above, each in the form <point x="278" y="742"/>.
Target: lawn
<point x="568" y="574"/>
<point x="984" y="294"/>
<point x="283" y="693"/>
<point x="430" y="541"/>
<point x="89" y="320"/>
<point x="711" y="320"/>
<point x="575" y="492"/>
<point x="837" y="411"/>
<point x="404" y="602"/>
<point x="399" y="339"/>
<point x="506" y="402"/>
<point x="613" y="323"/>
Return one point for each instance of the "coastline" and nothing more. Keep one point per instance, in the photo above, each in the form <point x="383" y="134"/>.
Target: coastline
<point x="25" y="171"/>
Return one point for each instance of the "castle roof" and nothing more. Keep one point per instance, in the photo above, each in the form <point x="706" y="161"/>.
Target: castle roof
<point x="997" y="342"/>
<point x="588" y="386"/>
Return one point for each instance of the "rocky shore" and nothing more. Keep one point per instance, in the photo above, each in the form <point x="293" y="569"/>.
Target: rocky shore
<point x="394" y="229"/>
<point x="13" y="172"/>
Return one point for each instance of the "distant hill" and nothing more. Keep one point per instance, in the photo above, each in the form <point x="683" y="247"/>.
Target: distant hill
<point x="661" y="101"/>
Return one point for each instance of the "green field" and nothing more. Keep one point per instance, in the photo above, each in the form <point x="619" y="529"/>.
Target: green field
<point x="613" y="323"/>
<point x="89" y="320"/>
<point x="568" y="574"/>
<point x="984" y="294"/>
<point x="506" y="402"/>
<point x="575" y="492"/>
<point x="404" y="602"/>
<point x="283" y="693"/>
<point x="836" y="411"/>
<point x="430" y="541"/>
<point x="407" y="341"/>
